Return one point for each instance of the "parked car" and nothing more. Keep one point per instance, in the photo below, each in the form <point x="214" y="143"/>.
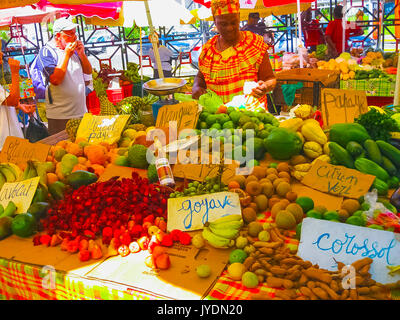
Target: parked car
<point x="102" y="38"/>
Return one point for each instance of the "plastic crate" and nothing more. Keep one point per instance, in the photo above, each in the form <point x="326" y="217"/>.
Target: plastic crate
<point x="379" y="101"/>
<point x="127" y="89"/>
<point x="115" y="95"/>
<point x="93" y="103"/>
<point x="137" y="90"/>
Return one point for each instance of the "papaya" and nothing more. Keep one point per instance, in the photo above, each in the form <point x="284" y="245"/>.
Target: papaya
<point x="81" y="178"/>
<point x="57" y="190"/>
<point x="38" y="209"/>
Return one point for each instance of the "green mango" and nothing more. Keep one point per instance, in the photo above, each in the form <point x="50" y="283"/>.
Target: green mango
<point x="39" y="209"/>
<point x="57" y="190"/>
<point x="81" y="178"/>
<point x="23" y="225"/>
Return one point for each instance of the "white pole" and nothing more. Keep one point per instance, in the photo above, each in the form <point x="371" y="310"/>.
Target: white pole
<point x="154" y="41"/>
<point x="396" y="100"/>
<point x="299" y="43"/>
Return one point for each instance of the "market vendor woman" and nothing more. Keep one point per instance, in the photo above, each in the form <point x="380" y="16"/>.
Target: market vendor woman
<point x="233" y="57"/>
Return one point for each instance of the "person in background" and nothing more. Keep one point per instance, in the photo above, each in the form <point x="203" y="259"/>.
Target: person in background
<point x="9" y="103"/>
<point x="233" y="57"/>
<point x="254" y="25"/>
<point x="334" y="32"/>
<point x="312" y="32"/>
<point x="166" y="60"/>
<point x="68" y="71"/>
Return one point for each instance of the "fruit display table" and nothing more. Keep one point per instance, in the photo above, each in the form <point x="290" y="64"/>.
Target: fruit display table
<point x="372" y="87"/>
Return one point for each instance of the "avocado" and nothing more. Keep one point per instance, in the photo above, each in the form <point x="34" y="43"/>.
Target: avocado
<point x="81" y="178"/>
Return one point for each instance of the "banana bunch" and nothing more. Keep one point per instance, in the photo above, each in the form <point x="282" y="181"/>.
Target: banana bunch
<point x="222" y="232"/>
<point x="30" y="171"/>
<point x="9" y="172"/>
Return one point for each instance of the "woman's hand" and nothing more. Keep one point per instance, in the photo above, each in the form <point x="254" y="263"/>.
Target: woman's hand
<point x="27" y="108"/>
<point x="262" y="89"/>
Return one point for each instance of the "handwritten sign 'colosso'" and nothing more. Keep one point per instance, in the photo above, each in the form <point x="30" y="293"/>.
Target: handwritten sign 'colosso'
<point x="191" y="213"/>
<point x="326" y="242"/>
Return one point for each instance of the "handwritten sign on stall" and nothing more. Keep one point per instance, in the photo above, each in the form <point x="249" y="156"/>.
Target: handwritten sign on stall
<point x="324" y="242"/>
<point x="338" y="180"/>
<point x="19" y="151"/>
<point x="191" y="213"/>
<point x="97" y="129"/>
<point x="342" y="106"/>
<point x="185" y="115"/>
<point x="21" y="193"/>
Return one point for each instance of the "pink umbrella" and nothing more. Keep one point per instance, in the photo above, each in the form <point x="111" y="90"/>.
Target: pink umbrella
<point x="26" y="15"/>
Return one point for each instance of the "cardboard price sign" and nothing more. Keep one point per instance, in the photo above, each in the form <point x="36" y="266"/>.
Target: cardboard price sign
<point x="199" y="172"/>
<point x="342" y="106"/>
<point x="185" y="114"/>
<point x="21" y="193"/>
<point x="191" y="213"/>
<point x="322" y="242"/>
<point x="338" y="180"/>
<point x="97" y="129"/>
<point x="19" y="151"/>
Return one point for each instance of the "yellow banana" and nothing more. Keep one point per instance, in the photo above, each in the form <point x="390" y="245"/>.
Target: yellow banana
<point x="3" y="180"/>
<point x="228" y="233"/>
<point x="17" y="170"/>
<point x="8" y="173"/>
<point x="231" y="217"/>
<point x="32" y="170"/>
<point x="236" y="225"/>
<point x="215" y="240"/>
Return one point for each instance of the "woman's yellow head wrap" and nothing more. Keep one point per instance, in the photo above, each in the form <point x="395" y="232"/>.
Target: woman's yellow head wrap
<point x="219" y="7"/>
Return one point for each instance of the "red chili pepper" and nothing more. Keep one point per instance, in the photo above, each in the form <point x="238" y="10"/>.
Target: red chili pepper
<point x="318" y="117"/>
<point x="89" y="234"/>
<point x="167" y="241"/>
<point x="149" y="218"/>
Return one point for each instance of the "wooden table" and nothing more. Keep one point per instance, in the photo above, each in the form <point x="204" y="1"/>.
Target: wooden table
<point x="52" y="140"/>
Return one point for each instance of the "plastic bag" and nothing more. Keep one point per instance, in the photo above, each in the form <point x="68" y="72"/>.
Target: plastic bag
<point x="372" y="199"/>
<point x="36" y="130"/>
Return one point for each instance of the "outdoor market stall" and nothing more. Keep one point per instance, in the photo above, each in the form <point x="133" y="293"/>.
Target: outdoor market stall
<point x="227" y="202"/>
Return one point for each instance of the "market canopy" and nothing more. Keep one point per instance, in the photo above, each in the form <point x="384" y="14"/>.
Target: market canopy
<point x="26" y="15"/>
<point x="264" y="7"/>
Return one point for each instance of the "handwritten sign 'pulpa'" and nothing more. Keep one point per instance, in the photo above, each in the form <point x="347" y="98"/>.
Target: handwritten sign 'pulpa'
<point x="19" y="151"/>
<point x="21" y="193"/>
<point x="191" y="213"/>
<point x="338" y="180"/>
<point x="342" y="106"/>
<point x="97" y="129"/>
<point x="326" y="242"/>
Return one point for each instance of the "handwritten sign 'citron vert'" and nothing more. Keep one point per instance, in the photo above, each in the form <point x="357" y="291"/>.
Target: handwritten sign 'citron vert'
<point x="97" y="129"/>
<point x="326" y="242"/>
<point x="191" y="213"/>
<point x="338" y="180"/>
<point x="21" y="193"/>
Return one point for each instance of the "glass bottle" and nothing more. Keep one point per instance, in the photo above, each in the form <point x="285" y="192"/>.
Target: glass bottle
<point x="163" y="168"/>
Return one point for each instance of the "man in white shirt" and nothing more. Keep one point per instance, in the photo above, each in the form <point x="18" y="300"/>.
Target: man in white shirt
<point x="69" y="71"/>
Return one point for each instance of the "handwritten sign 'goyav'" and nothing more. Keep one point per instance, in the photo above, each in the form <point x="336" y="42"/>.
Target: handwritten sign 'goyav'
<point x="342" y="106"/>
<point x="191" y="213"/>
<point x="97" y="129"/>
<point x="19" y="151"/>
<point x="338" y="180"/>
<point x="326" y="242"/>
<point x="21" y="193"/>
<point x="185" y="115"/>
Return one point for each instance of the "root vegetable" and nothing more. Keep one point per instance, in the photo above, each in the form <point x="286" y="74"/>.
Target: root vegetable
<point x="345" y="294"/>
<point x="332" y="294"/>
<point x="274" y="282"/>
<point x="334" y="286"/>
<point x="357" y="265"/>
<point x="363" y="291"/>
<point x="320" y="293"/>
<point x="318" y="274"/>
<point x="288" y="284"/>
<point x="249" y="262"/>
<point x="266" y="251"/>
<point x="353" y="294"/>
<point x="303" y="279"/>
<point x="278" y="270"/>
<point x="308" y="293"/>
<point x="273" y="245"/>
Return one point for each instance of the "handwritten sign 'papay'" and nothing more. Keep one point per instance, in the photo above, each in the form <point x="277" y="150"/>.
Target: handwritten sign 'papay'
<point x="322" y="242"/>
<point x="191" y="213"/>
<point x="338" y="180"/>
<point x="185" y="115"/>
<point x="342" y="106"/>
<point x="19" y="151"/>
<point x="97" y="129"/>
<point x="21" y="193"/>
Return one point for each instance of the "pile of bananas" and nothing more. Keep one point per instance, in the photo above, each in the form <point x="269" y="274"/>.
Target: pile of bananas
<point x="9" y="172"/>
<point x="222" y="232"/>
<point x="132" y="73"/>
<point x="38" y="169"/>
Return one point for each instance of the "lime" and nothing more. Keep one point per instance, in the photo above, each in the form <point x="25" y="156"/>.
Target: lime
<point x="331" y="215"/>
<point x="228" y="125"/>
<point x="376" y="226"/>
<point x="298" y="231"/>
<point x="222" y="118"/>
<point x="211" y="119"/>
<point x="237" y="255"/>
<point x="203" y="271"/>
<point x="203" y="116"/>
<point x="236" y="270"/>
<point x="314" y="214"/>
<point x="217" y="126"/>
<point x="203" y="125"/>
<point x="306" y="203"/>
<point x="356" y="221"/>
<point x="250" y="279"/>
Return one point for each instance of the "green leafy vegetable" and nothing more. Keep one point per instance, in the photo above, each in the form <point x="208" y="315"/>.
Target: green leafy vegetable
<point x="379" y="125"/>
<point x="210" y="101"/>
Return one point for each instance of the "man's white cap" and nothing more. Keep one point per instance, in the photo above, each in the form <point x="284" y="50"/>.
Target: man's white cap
<point x="63" y="24"/>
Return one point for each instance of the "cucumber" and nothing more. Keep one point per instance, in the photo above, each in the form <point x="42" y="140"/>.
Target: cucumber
<point x="373" y="151"/>
<point x="354" y="148"/>
<point x="388" y="166"/>
<point x="380" y="186"/>
<point x="389" y="151"/>
<point x="341" y="155"/>
<point x="369" y="167"/>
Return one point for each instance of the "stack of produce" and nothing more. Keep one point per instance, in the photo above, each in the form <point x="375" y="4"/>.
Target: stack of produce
<point x="344" y="64"/>
<point x="132" y="73"/>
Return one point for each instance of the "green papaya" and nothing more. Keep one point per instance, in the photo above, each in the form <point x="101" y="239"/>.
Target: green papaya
<point x="57" y="190"/>
<point x="81" y="178"/>
<point x="39" y="209"/>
